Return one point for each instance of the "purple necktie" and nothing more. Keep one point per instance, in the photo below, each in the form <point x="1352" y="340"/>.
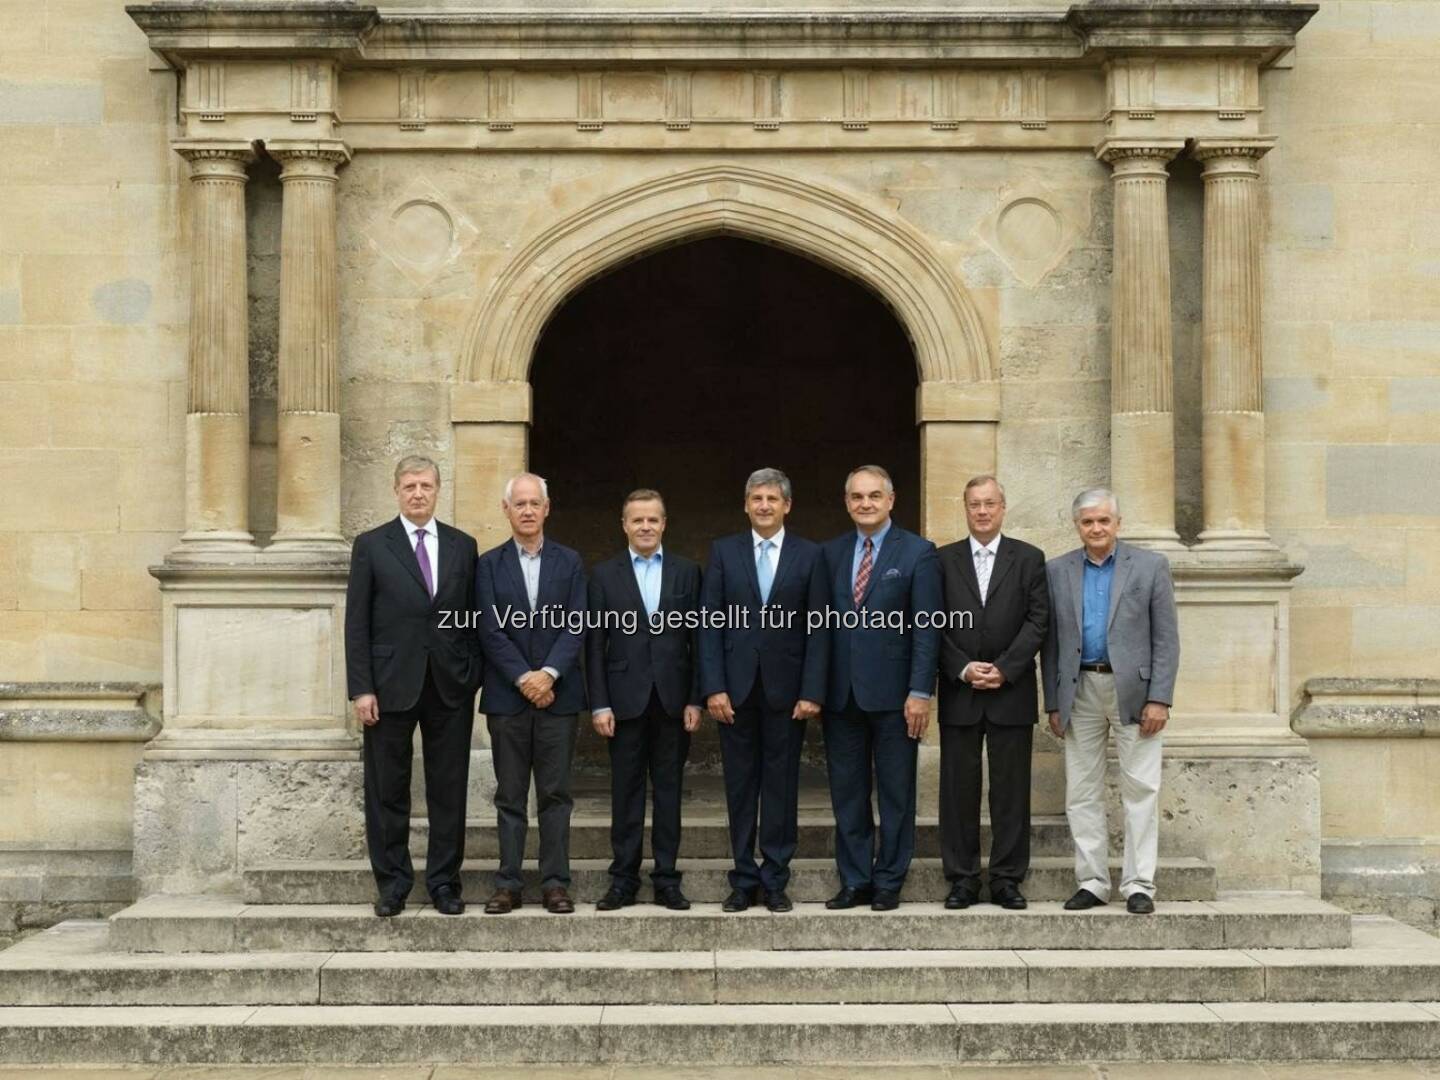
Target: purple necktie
<point x="423" y="558"/>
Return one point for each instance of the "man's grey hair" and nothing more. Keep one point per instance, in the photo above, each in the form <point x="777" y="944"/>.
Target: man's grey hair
<point x="768" y="478"/>
<point x="416" y="463"/>
<point x="1097" y="496"/>
<point x="510" y="485"/>
<point x="878" y="470"/>
<point x="981" y="481"/>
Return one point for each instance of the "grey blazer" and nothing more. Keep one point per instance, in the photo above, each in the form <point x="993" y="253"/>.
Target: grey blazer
<point x="1143" y="637"/>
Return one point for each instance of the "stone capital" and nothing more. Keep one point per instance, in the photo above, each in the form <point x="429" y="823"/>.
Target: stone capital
<point x="1231" y="157"/>
<point x="215" y="160"/>
<point x="1139" y="157"/>
<point x="310" y="159"/>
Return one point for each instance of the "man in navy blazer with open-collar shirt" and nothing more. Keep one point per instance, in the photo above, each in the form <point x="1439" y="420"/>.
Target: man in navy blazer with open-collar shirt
<point x="763" y="677"/>
<point x="408" y="662"/>
<point x="530" y="593"/>
<point x="883" y="661"/>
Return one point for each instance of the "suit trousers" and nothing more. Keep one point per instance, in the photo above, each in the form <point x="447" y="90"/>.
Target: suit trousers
<point x="524" y="744"/>
<point x="760" y="753"/>
<point x="1095" y="715"/>
<point x="1007" y="748"/>
<point x="658" y="744"/>
<point x="389" y="750"/>
<point x="855" y="742"/>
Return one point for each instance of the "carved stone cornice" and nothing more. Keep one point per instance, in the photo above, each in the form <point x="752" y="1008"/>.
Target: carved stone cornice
<point x="363" y="34"/>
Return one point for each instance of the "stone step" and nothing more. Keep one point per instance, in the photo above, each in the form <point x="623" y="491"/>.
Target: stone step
<point x="705" y="880"/>
<point x="1239" y="921"/>
<point x="721" y="1034"/>
<point x="74" y="964"/>
<point x="707" y="837"/>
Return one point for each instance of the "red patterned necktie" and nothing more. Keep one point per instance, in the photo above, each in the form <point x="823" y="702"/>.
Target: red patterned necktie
<point x="862" y="576"/>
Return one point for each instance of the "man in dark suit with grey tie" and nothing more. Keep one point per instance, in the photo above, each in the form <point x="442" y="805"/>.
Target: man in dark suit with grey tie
<point x="530" y="594"/>
<point x="644" y="694"/>
<point x="882" y="674"/>
<point x="409" y="662"/>
<point x="763" y="677"/>
<point x="999" y="607"/>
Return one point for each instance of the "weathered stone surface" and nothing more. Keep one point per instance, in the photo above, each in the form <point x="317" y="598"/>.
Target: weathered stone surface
<point x="1149" y="975"/>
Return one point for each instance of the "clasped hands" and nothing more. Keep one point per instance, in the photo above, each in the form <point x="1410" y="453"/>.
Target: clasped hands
<point x="983" y="675"/>
<point x="538" y="688"/>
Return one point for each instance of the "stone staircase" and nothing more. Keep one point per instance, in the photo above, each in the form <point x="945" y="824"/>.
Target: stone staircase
<point x="299" y="970"/>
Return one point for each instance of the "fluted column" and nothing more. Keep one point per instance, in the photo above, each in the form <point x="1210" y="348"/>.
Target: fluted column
<point x="1142" y="418"/>
<point x="1232" y="400"/>
<point x="308" y="482"/>
<point x="217" y="421"/>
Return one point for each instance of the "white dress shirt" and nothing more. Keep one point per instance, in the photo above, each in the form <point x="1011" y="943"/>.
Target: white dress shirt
<point x="432" y="543"/>
<point x="984" y="565"/>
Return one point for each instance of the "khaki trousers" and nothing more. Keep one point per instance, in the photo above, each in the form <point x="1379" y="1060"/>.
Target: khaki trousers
<point x="1096" y="715"/>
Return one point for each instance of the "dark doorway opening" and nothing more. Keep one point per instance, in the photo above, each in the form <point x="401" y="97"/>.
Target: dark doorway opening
<point x="686" y="370"/>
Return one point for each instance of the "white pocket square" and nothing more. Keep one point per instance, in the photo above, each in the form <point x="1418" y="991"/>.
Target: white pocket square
<point x="892" y="572"/>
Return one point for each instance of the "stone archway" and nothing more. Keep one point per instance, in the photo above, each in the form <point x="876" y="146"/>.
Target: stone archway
<point x="958" y="399"/>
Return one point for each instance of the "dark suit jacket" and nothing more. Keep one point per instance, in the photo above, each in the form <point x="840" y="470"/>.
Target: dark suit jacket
<point x="622" y="669"/>
<point x="881" y="664"/>
<point x="515" y="639"/>
<point x="393" y="628"/>
<point x="1007" y="631"/>
<point x="790" y="662"/>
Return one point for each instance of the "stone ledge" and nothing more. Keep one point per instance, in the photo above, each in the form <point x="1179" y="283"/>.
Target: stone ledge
<point x="1368" y="709"/>
<point x="78" y="712"/>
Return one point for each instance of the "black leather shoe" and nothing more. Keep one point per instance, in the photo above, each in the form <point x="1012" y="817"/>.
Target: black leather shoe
<point x="778" y="901"/>
<point x="738" y="900"/>
<point x="446" y="899"/>
<point x="962" y="895"/>
<point x="1139" y="904"/>
<point x="885" y="900"/>
<point x="848" y="898"/>
<point x="614" y="900"/>
<point x="1008" y="896"/>
<point x="1083" y="899"/>
<point x="671" y="897"/>
<point x="388" y="907"/>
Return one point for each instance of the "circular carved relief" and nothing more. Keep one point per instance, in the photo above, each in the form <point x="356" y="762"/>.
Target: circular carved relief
<point x="422" y="232"/>
<point x="1028" y="230"/>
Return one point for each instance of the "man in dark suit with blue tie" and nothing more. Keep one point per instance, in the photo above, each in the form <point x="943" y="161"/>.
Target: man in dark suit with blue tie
<point x="644" y="694"/>
<point x="530" y="594"/>
<point x="885" y="592"/>
<point x="407" y="664"/>
<point x="763" y="677"/>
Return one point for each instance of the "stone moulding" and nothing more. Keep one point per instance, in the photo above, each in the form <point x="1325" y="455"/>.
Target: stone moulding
<point x="834" y="229"/>
<point x="1368" y="709"/>
<point x="78" y="712"/>
<point x="181" y="29"/>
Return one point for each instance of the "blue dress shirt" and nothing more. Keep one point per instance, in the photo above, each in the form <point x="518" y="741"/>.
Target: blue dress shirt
<point x="878" y="538"/>
<point x="1095" y="614"/>
<point x="647" y="576"/>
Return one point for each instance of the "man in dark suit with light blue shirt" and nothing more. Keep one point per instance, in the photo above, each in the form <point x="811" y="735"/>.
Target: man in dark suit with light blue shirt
<point x="530" y="594"/>
<point x="883" y="661"/>
<point x="763" y="677"/>
<point x="644" y="694"/>
<point x="1108" y="667"/>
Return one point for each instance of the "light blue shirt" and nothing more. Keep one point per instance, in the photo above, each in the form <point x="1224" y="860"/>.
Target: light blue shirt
<point x="878" y="538"/>
<point x="1095" y="610"/>
<point x="530" y="571"/>
<point x="647" y="576"/>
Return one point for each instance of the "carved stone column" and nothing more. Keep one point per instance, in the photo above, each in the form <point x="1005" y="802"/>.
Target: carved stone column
<point x="1142" y="419"/>
<point x="1233" y="417"/>
<point x="217" y="422"/>
<point x="308" y="488"/>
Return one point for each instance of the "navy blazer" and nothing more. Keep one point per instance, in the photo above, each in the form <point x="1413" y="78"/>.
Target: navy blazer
<point x="516" y="645"/>
<point x="622" y="669"/>
<point x="879" y="664"/>
<point x="790" y="662"/>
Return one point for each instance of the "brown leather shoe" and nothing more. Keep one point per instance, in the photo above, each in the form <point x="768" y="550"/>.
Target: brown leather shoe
<point x="503" y="902"/>
<point x="557" y="901"/>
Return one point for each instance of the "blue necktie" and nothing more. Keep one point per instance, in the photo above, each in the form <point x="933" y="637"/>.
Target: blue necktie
<point x="765" y="571"/>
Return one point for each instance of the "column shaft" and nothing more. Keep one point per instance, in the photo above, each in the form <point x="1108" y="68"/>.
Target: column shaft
<point x="1142" y="421"/>
<point x="1232" y="401"/>
<point x="308" y="481"/>
<point x="217" y="422"/>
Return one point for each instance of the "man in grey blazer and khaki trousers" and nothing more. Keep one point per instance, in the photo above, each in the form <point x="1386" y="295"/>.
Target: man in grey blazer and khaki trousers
<point x="1108" y="666"/>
